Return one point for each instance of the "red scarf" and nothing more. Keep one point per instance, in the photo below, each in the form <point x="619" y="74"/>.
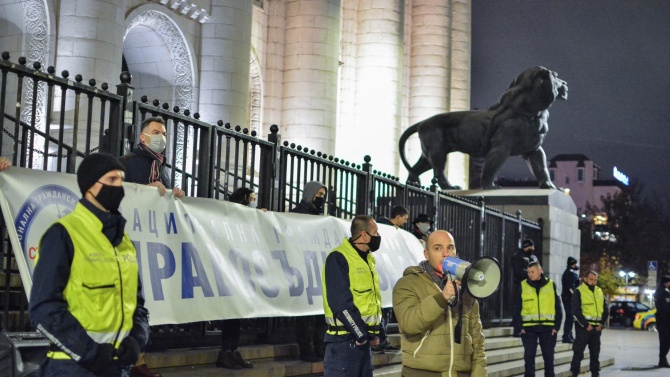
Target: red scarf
<point x="157" y="161"/>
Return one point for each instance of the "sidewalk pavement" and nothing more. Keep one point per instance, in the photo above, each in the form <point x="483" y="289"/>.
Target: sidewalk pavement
<point x="635" y="352"/>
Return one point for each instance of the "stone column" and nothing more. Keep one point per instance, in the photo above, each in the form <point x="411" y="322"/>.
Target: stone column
<point x="432" y="68"/>
<point x="224" y="73"/>
<point x="311" y="50"/>
<point x="90" y="39"/>
<point x="378" y="84"/>
<point x="273" y="79"/>
<point x="90" y="43"/>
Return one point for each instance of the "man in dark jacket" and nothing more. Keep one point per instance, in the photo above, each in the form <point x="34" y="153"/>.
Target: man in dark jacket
<point x="591" y="313"/>
<point x="145" y="165"/>
<point x="538" y="309"/>
<point x="86" y="296"/>
<point x="398" y="218"/>
<point x="570" y="281"/>
<point x="662" y="301"/>
<point x="519" y="264"/>
<point x="310" y="343"/>
<point x="352" y="301"/>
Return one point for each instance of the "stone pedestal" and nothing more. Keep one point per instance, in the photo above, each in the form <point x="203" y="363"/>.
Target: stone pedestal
<point x="560" y="238"/>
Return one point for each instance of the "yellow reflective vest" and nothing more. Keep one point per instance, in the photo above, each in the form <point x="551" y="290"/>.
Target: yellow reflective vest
<point x="102" y="288"/>
<point x="593" y="304"/>
<point x="538" y="308"/>
<point x="364" y="287"/>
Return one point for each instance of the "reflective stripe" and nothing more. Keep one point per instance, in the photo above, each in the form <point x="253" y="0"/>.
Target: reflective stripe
<point x="535" y="317"/>
<point x="369" y="320"/>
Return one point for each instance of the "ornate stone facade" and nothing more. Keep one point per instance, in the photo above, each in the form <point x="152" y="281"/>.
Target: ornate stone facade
<point x="334" y="74"/>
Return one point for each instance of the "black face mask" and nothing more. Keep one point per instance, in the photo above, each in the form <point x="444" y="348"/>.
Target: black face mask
<point x="110" y="196"/>
<point x="374" y="243"/>
<point x="575" y="268"/>
<point x="318" y="202"/>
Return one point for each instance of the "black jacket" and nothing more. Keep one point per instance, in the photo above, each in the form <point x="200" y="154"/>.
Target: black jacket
<point x="48" y="308"/>
<point x="579" y="316"/>
<point x="662" y="300"/>
<point x="138" y="168"/>
<point x="570" y="281"/>
<point x="557" y="305"/>
<point x="520" y="262"/>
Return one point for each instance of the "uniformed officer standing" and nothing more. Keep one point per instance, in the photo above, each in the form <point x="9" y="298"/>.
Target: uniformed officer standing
<point x="591" y="313"/>
<point x="539" y="311"/>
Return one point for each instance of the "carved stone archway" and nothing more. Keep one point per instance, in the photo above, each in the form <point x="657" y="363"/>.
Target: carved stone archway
<point x="182" y="68"/>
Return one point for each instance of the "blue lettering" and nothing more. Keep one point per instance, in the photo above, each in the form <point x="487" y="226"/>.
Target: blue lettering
<point x="156" y="272"/>
<point x="190" y="259"/>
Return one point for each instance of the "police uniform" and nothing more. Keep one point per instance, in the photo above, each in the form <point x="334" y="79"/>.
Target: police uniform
<point x="588" y="308"/>
<point x="538" y="309"/>
<point x="86" y="295"/>
<point x="352" y="305"/>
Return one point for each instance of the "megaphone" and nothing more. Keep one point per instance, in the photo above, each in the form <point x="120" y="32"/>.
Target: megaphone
<point x="481" y="278"/>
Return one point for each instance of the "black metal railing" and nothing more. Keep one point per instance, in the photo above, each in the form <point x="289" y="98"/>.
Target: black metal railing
<point x="72" y="119"/>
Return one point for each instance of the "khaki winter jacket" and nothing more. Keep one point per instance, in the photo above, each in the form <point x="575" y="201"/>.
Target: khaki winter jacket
<point x="423" y="317"/>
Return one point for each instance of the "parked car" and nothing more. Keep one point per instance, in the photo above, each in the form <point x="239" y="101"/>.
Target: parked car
<point x="646" y="320"/>
<point x="624" y="312"/>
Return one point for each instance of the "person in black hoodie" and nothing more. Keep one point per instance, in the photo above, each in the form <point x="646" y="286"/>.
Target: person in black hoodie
<point x="570" y="281"/>
<point x="538" y="309"/>
<point x="312" y="347"/>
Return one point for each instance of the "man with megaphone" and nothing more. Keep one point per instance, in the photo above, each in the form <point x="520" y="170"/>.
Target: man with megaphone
<point x="431" y="306"/>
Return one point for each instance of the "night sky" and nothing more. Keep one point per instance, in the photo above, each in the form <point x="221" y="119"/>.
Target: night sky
<point x="615" y="56"/>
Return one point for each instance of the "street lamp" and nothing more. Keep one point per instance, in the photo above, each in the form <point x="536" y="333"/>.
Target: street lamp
<point x="630" y="274"/>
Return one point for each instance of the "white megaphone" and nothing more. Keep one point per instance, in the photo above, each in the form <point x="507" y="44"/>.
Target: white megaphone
<point x="481" y="278"/>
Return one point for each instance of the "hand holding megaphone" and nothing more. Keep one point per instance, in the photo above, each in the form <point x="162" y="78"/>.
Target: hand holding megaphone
<point x="481" y="278"/>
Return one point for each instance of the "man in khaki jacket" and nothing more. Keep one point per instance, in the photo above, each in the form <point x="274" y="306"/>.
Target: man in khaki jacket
<point x="425" y="302"/>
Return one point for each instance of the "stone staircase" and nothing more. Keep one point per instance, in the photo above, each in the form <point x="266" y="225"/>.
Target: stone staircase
<point x="503" y="352"/>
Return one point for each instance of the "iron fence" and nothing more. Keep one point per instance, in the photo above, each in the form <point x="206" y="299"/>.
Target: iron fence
<point x="53" y="121"/>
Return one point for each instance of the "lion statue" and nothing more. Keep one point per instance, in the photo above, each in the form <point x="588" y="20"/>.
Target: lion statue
<point x="515" y="126"/>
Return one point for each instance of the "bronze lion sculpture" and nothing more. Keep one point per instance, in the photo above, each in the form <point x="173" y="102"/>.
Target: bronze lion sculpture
<point x="515" y="126"/>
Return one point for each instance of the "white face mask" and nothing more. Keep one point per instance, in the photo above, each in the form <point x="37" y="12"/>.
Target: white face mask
<point x="253" y="204"/>
<point x="155" y="142"/>
<point x="423" y="227"/>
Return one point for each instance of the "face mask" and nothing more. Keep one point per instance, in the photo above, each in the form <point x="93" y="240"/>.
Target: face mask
<point x="156" y="142"/>
<point x="374" y="243"/>
<point x="253" y="204"/>
<point x="575" y="268"/>
<point x="423" y="227"/>
<point x="110" y="196"/>
<point x="318" y="202"/>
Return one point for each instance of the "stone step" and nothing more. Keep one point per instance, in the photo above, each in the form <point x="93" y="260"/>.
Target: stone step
<point x="208" y="355"/>
<point x="516" y="368"/>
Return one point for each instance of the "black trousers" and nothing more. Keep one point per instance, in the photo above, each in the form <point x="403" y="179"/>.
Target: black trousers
<point x="569" y="319"/>
<point x="547" y="344"/>
<point x="309" y="333"/>
<point x="516" y="324"/>
<point x="584" y="338"/>
<point x="230" y="334"/>
<point x="345" y="359"/>
<point x="664" y="339"/>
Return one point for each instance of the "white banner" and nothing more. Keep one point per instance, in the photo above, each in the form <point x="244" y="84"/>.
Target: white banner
<point x="204" y="259"/>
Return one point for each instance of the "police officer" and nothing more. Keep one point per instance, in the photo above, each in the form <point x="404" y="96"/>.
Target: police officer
<point x="86" y="296"/>
<point x="591" y="313"/>
<point x="352" y="302"/>
<point x="539" y="311"/>
<point x="662" y="301"/>
<point x="570" y="281"/>
<point x="520" y="261"/>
